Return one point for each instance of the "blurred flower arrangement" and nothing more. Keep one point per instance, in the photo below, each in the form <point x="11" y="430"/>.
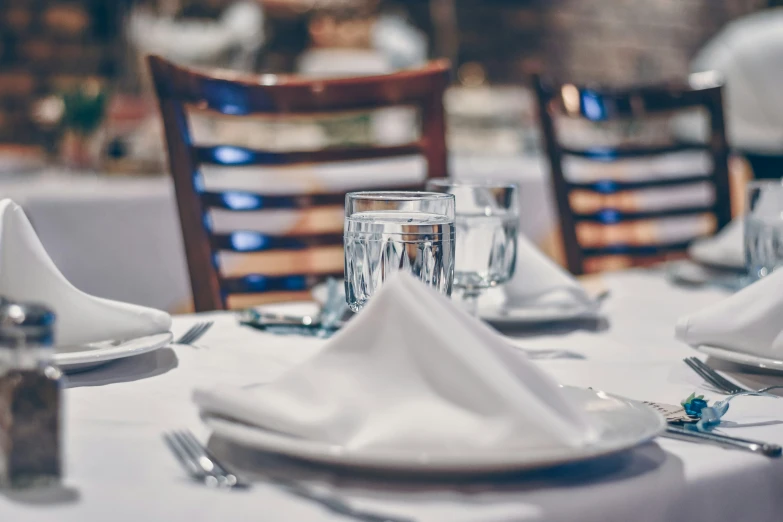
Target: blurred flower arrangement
<point x="74" y="117"/>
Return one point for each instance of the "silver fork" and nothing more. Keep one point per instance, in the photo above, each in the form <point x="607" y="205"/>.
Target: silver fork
<point x="198" y="462"/>
<point x="195" y="332"/>
<point x="202" y="466"/>
<point x="717" y="380"/>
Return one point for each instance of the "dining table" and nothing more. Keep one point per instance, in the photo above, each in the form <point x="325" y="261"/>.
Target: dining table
<point x="130" y="226"/>
<point x="118" y="469"/>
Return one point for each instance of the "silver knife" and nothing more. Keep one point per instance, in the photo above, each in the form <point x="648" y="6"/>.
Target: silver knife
<point x="754" y="446"/>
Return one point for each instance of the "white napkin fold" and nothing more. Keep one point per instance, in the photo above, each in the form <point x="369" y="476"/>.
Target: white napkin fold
<point x="748" y="321"/>
<point x="27" y="274"/>
<point x="411" y="371"/>
<point x="725" y="248"/>
<point x="539" y="281"/>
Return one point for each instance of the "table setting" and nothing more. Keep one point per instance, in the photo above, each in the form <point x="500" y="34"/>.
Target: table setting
<point x="406" y="392"/>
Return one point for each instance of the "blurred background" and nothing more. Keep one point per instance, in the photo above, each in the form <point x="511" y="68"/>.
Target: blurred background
<point x="81" y="143"/>
<point x="69" y="68"/>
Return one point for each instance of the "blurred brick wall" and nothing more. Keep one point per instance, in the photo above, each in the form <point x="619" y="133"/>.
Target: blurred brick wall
<point x="611" y="41"/>
<point x="46" y="45"/>
<point x="627" y="41"/>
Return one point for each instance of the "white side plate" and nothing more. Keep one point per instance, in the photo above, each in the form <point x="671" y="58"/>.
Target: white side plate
<point x="622" y="425"/>
<point x="491" y="308"/>
<point x="96" y="354"/>
<point x="746" y="359"/>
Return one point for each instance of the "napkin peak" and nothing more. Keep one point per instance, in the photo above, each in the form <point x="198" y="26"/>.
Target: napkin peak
<point x="412" y="370"/>
<point x="747" y="321"/>
<point x="28" y="274"/>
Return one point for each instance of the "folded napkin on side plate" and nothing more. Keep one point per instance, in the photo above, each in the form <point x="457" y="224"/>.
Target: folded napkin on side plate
<point x="748" y="321"/>
<point x="538" y="281"/>
<point x="724" y="249"/>
<point x="411" y="371"/>
<point x="27" y="274"/>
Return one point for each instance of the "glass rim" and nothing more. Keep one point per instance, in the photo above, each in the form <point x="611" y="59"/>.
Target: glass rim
<point x="399" y="195"/>
<point x="489" y="183"/>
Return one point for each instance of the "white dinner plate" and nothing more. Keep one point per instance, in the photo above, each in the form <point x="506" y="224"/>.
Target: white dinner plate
<point x="492" y="309"/>
<point x="746" y="359"/>
<point x="80" y="358"/>
<point x="622" y="424"/>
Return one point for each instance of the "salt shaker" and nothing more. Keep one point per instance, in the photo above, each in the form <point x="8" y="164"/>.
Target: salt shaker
<point x="30" y="398"/>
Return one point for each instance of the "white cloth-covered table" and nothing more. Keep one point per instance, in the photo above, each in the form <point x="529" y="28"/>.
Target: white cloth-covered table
<point x="118" y="468"/>
<point x="130" y="227"/>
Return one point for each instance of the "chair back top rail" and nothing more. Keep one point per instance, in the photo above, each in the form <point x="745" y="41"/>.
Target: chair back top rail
<point x="233" y="93"/>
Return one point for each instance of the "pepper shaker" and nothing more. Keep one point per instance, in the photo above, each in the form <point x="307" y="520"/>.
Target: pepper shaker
<point x="30" y="398"/>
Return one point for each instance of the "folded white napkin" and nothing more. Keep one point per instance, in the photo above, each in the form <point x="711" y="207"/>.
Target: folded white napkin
<point x="538" y="281"/>
<point x="411" y="371"/>
<point x="724" y="249"/>
<point x="748" y="321"/>
<point x="27" y="274"/>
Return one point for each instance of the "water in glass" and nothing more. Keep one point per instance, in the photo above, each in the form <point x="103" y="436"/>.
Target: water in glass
<point x="378" y="243"/>
<point x="763" y="246"/>
<point x="486" y="249"/>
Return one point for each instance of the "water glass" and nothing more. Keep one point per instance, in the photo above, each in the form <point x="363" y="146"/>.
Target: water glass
<point x="764" y="228"/>
<point x="386" y="232"/>
<point x="487" y="223"/>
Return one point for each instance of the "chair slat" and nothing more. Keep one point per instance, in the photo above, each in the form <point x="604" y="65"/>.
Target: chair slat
<point x="259" y="283"/>
<point x="637" y="250"/>
<point x="613" y="186"/>
<point x="242" y="201"/>
<point x="611" y="216"/>
<point x="227" y="155"/>
<point x="251" y="241"/>
<point x="630" y="152"/>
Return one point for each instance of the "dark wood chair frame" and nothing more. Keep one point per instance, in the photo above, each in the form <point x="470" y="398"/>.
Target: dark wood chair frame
<point x="609" y="104"/>
<point x="233" y="94"/>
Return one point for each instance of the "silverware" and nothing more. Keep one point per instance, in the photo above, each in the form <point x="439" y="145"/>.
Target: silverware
<point x="754" y="446"/>
<point x="330" y="319"/>
<point x="195" y="332"/>
<point x="201" y="465"/>
<point x="717" y="380"/>
<point x="198" y="462"/>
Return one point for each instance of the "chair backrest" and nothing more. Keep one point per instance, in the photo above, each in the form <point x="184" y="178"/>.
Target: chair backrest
<point x="181" y="90"/>
<point x="703" y="92"/>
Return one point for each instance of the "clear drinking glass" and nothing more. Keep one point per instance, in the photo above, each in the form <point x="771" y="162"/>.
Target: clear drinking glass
<point x="390" y="231"/>
<point x="764" y="228"/>
<point x="487" y="222"/>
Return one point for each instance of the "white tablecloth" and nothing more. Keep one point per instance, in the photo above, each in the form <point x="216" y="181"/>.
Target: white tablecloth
<point x="129" y="227"/>
<point x="118" y="468"/>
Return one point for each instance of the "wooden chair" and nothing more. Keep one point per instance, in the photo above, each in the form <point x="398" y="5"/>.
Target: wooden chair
<point x="569" y="101"/>
<point x="181" y="91"/>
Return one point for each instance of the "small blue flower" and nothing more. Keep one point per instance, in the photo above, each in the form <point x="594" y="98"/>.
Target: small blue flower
<point x="694" y="404"/>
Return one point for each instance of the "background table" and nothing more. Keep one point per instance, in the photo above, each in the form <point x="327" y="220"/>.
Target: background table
<point x="119" y="237"/>
<point x="118" y="468"/>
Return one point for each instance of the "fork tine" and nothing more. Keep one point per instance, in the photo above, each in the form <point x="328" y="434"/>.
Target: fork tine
<point x="208" y="461"/>
<point x="705" y="376"/>
<point x="199" y="331"/>
<point x="182" y="456"/>
<point x="727" y="384"/>
<point x="184" y="337"/>
<point x="194" y="332"/>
